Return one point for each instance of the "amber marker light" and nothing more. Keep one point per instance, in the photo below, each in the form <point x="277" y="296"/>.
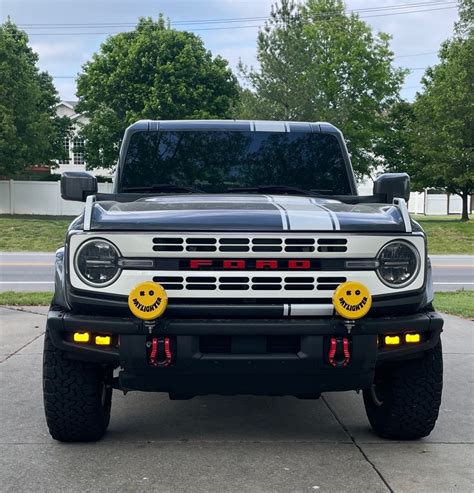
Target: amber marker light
<point x="392" y="340"/>
<point x="103" y="340"/>
<point x="81" y="337"/>
<point x="412" y="338"/>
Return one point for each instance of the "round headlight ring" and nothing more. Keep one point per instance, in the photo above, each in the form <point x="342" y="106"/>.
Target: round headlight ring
<point x="414" y="271"/>
<point x="100" y="255"/>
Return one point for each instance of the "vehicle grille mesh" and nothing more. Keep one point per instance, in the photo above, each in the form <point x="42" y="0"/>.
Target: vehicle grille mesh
<point x="248" y="245"/>
<point x="246" y="283"/>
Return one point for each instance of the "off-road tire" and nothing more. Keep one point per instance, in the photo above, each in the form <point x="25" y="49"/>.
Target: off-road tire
<point x="77" y="396"/>
<point x="405" y="400"/>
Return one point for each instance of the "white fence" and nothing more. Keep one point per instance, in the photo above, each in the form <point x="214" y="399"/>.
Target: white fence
<point x="39" y="197"/>
<point x="427" y="203"/>
<point x="44" y="198"/>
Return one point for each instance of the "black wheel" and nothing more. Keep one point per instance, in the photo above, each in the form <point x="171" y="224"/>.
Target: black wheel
<point x="77" y="396"/>
<point x="403" y="403"/>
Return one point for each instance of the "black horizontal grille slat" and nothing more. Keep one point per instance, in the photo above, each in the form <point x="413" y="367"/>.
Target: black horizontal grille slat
<point x="266" y="241"/>
<point x="307" y="249"/>
<point x="337" y="280"/>
<point x="266" y="287"/>
<point x="234" y="241"/>
<point x="233" y="279"/>
<point x="299" y="241"/>
<point x="234" y="249"/>
<point x="299" y="287"/>
<point x="234" y="287"/>
<point x="200" y="279"/>
<point x="200" y="241"/>
<point x="168" y="240"/>
<point x="332" y="249"/>
<point x="266" y="248"/>
<point x="199" y="248"/>
<point x="332" y="241"/>
<point x="267" y="279"/>
<point x="168" y="248"/>
<point x="201" y="287"/>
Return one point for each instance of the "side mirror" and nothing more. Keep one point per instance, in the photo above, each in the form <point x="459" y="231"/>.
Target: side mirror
<point x="77" y="185"/>
<point x="393" y="185"/>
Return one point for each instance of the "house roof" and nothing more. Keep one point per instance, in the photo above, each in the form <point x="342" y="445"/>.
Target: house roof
<point x="70" y="104"/>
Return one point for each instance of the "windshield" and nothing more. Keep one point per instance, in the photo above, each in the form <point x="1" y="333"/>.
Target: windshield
<point x="215" y="161"/>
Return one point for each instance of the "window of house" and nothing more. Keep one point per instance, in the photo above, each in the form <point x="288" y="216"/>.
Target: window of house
<point x="78" y="151"/>
<point x="66" y="147"/>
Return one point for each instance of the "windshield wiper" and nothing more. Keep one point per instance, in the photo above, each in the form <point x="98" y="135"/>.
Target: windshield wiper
<point x="274" y="189"/>
<point x="162" y="188"/>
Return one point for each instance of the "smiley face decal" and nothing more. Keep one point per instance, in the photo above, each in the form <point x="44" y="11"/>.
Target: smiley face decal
<point x="148" y="300"/>
<point x="352" y="300"/>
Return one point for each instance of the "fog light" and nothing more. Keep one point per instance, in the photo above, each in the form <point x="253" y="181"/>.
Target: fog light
<point x="81" y="337"/>
<point x="412" y="338"/>
<point x="392" y="340"/>
<point x="103" y="340"/>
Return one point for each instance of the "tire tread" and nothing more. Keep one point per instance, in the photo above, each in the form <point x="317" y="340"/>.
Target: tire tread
<point x="72" y="392"/>
<point x="414" y="399"/>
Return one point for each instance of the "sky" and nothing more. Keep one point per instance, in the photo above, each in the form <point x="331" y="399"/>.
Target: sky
<point x="417" y="27"/>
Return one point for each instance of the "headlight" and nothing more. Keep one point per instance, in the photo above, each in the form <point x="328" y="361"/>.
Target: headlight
<point x="96" y="263"/>
<point x="399" y="263"/>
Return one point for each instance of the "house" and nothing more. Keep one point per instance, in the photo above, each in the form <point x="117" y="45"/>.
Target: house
<point x="73" y="145"/>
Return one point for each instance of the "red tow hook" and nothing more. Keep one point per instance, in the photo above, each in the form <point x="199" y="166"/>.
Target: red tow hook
<point x="160" y="354"/>
<point x="339" y="355"/>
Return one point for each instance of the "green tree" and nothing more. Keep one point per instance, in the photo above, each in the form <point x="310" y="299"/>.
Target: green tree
<point x="152" y="72"/>
<point x="30" y="131"/>
<point x="433" y="139"/>
<point x="317" y="63"/>
<point x="397" y="144"/>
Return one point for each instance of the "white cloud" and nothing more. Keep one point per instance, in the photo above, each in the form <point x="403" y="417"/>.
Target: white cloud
<point x="51" y="50"/>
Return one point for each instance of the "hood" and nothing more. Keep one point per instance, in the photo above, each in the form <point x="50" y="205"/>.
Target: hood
<point x="244" y="212"/>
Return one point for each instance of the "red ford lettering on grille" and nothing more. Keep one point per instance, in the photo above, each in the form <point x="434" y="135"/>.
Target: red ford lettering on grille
<point x="266" y="264"/>
<point x="233" y="264"/>
<point x="251" y="264"/>
<point x="197" y="264"/>
<point x="299" y="264"/>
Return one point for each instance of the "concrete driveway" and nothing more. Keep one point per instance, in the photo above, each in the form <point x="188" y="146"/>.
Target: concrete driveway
<point x="229" y="443"/>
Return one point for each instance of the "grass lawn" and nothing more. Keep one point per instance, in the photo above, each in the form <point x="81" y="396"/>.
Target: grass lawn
<point x="32" y="233"/>
<point x="456" y="303"/>
<point x="27" y="298"/>
<point x="459" y="303"/>
<point x="447" y="234"/>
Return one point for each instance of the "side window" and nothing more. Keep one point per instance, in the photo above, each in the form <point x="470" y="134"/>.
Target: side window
<point x="78" y="151"/>
<point x="66" y="147"/>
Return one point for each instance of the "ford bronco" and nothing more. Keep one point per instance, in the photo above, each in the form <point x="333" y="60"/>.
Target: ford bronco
<point x="236" y="257"/>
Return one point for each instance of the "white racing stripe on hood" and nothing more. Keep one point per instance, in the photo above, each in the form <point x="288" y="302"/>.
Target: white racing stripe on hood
<point x="304" y="214"/>
<point x="333" y="215"/>
<point x="285" y="223"/>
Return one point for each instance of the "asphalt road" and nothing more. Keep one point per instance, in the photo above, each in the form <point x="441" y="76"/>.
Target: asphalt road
<point x="34" y="272"/>
<point x="244" y="443"/>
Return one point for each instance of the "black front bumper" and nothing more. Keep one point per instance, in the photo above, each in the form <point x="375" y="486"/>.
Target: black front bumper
<point x="305" y="372"/>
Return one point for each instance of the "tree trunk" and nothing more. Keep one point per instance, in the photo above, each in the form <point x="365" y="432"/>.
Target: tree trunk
<point x="465" y="200"/>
